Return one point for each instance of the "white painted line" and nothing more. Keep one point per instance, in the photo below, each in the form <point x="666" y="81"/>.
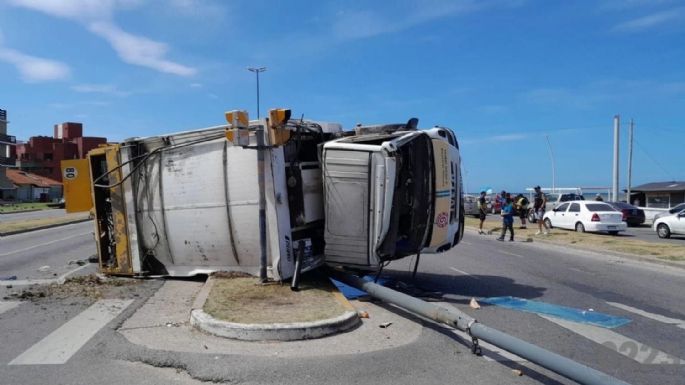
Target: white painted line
<point x="463" y="272"/>
<point x="60" y="345"/>
<point x="621" y="344"/>
<point x="512" y="254"/>
<point x="657" y="317"/>
<point x="26" y="282"/>
<point x="44" y="244"/>
<point x="8" y="305"/>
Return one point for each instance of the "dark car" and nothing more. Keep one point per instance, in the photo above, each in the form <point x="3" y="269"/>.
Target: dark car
<point x="632" y="215"/>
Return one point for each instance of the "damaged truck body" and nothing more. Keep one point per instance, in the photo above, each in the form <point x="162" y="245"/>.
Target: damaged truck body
<point x="188" y="203"/>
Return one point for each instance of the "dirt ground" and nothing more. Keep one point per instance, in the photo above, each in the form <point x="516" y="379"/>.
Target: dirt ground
<point x="594" y="242"/>
<point x="25" y="224"/>
<point x="92" y="287"/>
<point x="243" y="300"/>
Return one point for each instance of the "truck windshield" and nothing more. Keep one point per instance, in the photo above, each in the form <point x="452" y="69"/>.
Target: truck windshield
<point x="412" y="203"/>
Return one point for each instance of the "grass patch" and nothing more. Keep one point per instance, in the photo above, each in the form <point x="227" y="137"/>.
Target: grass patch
<point x="242" y="300"/>
<point x="13" y="207"/>
<point x="672" y="258"/>
<point x="594" y="242"/>
<point x="27" y="224"/>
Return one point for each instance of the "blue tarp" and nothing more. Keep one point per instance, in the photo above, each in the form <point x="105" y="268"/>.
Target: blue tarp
<point x="350" y="292"/>
<point x="563" y="312"/>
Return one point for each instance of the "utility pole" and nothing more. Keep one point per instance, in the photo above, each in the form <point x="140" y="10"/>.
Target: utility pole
<point x="614" y="186"/>
<point x="257" y="70"/>
<point x="554" y="172"/>
<point x="630" y="159"/>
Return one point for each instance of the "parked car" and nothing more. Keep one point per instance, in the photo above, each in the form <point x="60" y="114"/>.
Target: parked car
<point x="670" y="224"/>
<point x="632" y="215"/>
<point x="675" y="209"/>
<point x="471" y="205"/>
<point x="585" y="216"/>
<point x="553" y="200"/>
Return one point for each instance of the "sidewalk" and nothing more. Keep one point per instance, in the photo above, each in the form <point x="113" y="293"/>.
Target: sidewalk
<point x="164" y="323"/>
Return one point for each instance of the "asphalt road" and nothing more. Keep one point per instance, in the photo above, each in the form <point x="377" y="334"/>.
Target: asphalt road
<point x="45" y="254"/>
<point x="650" y="296"/>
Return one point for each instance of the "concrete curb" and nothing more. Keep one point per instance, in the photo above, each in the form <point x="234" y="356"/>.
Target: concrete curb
<point x="633" y="257"/>
<point x="43" y="227"/>
<point x="270" y="332"/>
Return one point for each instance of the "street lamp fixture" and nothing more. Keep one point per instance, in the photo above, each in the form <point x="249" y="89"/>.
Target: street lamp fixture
<point x="257" y="70"/>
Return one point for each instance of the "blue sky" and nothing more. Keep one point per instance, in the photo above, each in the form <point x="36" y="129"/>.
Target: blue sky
<point x="502" y="74"/>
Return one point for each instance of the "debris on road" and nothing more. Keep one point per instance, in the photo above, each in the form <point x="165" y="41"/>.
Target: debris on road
<point x="44" y="268"/>
<point x="8" y="278"/>
<point x="363" y="314"/>
<point x="80" y="262"/>
<point x="474" y="304"/>
<point x="517" y="372"/>
<point x="88" y="286"/>
<point x="385" y="325"/>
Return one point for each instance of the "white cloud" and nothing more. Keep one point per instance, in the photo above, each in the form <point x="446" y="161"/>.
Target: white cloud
<point x="35" y="69"/>
<point x="97" y="16"/>
<point x="109" y="89"/>
<point x="651" y="21"/>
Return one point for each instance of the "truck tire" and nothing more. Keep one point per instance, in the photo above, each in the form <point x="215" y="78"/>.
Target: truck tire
<point x="531" y="216"/>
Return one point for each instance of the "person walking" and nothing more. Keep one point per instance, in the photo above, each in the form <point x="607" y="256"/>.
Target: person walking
<point x="507" y="219"/>
<point x="521" y="206"/>
<point x="539" y="206"/>
<point x="482" y="211"/>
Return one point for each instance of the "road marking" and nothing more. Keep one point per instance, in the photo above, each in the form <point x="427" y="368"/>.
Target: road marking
<point x="60" y="345"/>
<point x="667" y="320"/>
<point x="467" y="243"/>
<point x="621" y="344"/>
<point x="8" y="305"/>
<point x="464" y="273"/>
<point x="45" y="244"/>
<point x="26" y="282"/>
<point x="512" y="254"/>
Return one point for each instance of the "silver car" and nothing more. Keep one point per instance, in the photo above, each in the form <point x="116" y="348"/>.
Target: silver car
<point x="668" y="225"/>
<point x="672" y="210"/>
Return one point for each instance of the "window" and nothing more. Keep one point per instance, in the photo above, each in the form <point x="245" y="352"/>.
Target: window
<point x="47" y="156"/>
<point x="575" y="208"/>
<point x="571" y="197"/>
<point x="660" y="201"/>
<point x="562" y="208"/>
<point x="594" y="207"/>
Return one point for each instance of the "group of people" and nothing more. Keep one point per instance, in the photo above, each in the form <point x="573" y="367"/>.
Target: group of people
<point x="515" y="206"/>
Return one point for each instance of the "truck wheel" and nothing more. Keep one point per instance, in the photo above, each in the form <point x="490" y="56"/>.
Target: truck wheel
<point x="548" y="223"/>
<point x="531" y="216"/>
<point x="580" y="228"/>
<point x="663" y="231"/>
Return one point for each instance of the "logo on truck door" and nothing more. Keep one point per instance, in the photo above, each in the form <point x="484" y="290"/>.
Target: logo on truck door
<point x="442" y="219"/>
<point x="70" y="173"/>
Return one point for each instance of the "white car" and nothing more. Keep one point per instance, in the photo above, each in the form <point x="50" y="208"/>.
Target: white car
<point x="585" y="216"/>
<point x="670" y="224"/>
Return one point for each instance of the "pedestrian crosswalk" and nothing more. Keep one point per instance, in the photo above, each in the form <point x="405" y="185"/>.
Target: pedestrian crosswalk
<point x="60" y="345"/>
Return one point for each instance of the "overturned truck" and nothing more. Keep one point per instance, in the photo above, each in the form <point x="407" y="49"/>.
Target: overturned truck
<point x="188" y="203"/>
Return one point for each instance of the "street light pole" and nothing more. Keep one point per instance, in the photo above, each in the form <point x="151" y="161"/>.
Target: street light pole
<point x="551" y="156"/>
<point x="257" y="70"/>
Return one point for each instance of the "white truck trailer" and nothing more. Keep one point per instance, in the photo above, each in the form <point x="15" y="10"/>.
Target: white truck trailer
<point x="187" y="203"/>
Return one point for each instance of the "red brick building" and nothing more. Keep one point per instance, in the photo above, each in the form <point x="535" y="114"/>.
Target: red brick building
<point x="42" y="154"/>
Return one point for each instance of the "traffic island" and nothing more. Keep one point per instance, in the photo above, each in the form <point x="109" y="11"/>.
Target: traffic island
<point x="238" y="307"/>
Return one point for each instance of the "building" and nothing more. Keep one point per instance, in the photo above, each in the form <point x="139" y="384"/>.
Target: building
<point x="7" y="143"/>
<point x="657" y="197"/>
<point x="42" y="154"/>
<point x="33" y="188"/>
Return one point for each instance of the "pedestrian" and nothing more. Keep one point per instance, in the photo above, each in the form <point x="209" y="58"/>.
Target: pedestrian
<point x="599" y="198"/>
<point x="521" y="206"/>
<point x="507" y="219"/>
<point x="539" y="206"/>
<point x="482" y="211"/>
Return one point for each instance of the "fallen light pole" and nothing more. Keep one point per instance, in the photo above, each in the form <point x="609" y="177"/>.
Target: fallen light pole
<point x="462" y="321"/>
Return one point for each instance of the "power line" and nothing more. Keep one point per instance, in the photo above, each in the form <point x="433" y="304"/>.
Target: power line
<point x="653" y="160"/>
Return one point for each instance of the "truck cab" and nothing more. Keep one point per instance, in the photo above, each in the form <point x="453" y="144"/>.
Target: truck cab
<point x="391" y="194"/>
